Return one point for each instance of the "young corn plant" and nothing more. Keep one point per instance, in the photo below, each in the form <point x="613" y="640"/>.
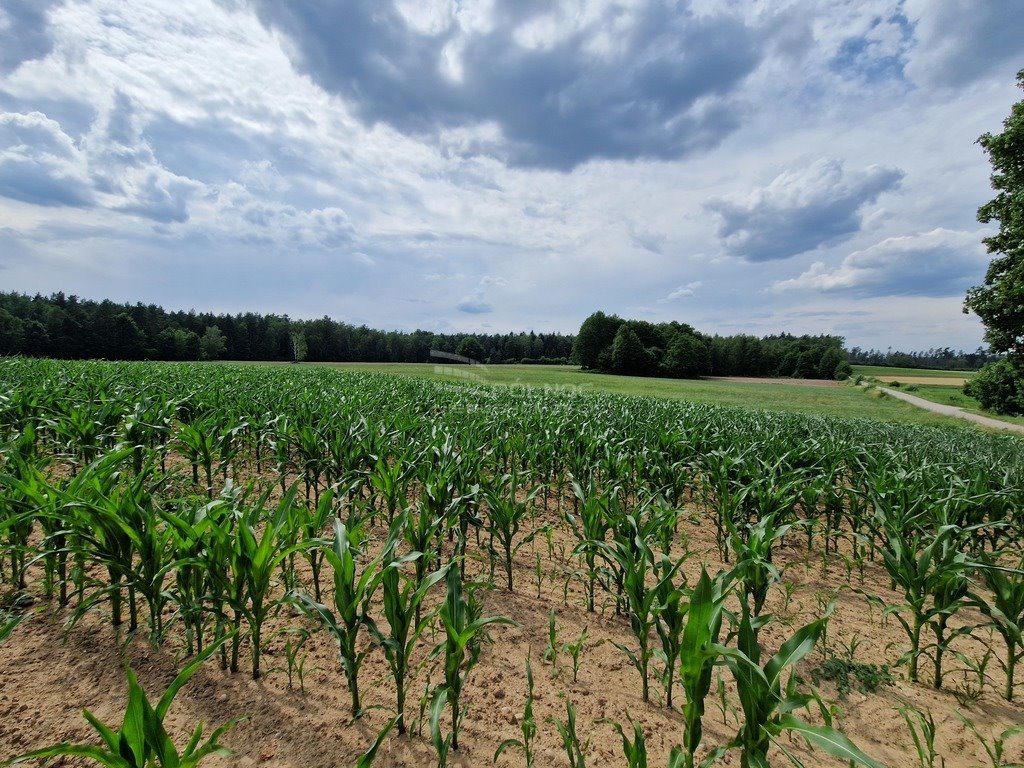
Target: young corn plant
<point x="995" y="747"/>
<point x="141" y="741"/>
<point x="590" y="526"/>
<point x="923" y="730"/>
<point x="527" y="725"/>
<point x="1004" y="609"/>
<point x="551" y="651"/>
<point x="505" y="517"/>
<point x="753" y="545"/>
<point x="700" y="652"/>
<point x="402" y="599"/>
<point x="575" y="651"/>
<point x="635" y="751"/>
<point x="670" y="623"/>
<point x="352" y="596"/>
<point x="257" y="557"/>
<point x="366" y="759"/>
<point x="768" y="701"/>
<point x="634" y="559"/>
<point x="197" y="442"/>
<point x="574" y="749"/>
<point x="463" y="634"/>
<point x="931" y="571"/>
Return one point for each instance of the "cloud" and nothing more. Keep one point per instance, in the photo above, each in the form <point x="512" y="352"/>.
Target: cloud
<point x="682" y="292"/>
<point x="799" y="210"/>
<point x="40" y="164"/>
<point x="560" y="85"/>
<point x="939" y="263"/>
<point x="960" y="41"/>
<point x="474" y="306"/>
<point x="25" y="32"/>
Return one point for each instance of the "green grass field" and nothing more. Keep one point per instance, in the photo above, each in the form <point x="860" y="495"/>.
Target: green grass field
<point x="844" y="400"/>
<point x="882" y="371"/>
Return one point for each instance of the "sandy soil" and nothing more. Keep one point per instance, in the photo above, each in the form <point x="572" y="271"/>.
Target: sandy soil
<point x="46" y="678"/>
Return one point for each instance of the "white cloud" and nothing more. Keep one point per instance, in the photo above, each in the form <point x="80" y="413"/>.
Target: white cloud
<point x="937" y="263"/>
<point x="682" y="292"/>
<point x="799" y="210"/>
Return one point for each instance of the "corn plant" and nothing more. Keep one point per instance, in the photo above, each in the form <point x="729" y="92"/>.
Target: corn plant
<point x="753" y="545"/>
<point x="634" y="559"/>
<point x="574" y="750"/>
<point x="590" y="526"/>
<point x="256" y="558"/>
<point x="551" y="651"/>
<point x="402" y="598"/>
<point x="931" y="571"/>
<point x="527" y="725"/>
<point x="390" y="480"/>
<point x="1004" y="609"/>
<point x="635" y="751"/>
<point x="7" y="626"/>
<point x="352" y="596"/>
<point x="923" y="730"/>
<point x="442" y="741"/>
<point x="505" y="516"/>
<point x="197" y="442"/>
<point x="366" y="759"/>
<point x="141" y="741"/>
<point x="768" y="701"/>
<point x="575" y="651"/>
<point x="312" y="523"/>
<point x="463" y="634"/>
<point x="699" y="653"/>
<point x="995" y="747"/>
<point x="670" y="621"/>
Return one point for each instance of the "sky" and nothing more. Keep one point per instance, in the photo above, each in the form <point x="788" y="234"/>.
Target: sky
<point x="744" y="166"/>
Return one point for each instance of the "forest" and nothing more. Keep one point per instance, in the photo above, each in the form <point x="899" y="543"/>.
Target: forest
<point x="610" y="344"/>
<point x="70" y="328"/>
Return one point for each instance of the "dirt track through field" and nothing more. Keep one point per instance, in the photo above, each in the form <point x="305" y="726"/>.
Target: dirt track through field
<point x="951" y="410"/>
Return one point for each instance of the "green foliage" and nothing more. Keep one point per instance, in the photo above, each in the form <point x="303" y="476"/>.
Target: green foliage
<point x="923" y="730"/>
<point x="687" y="356"/>
<point x="998" y="301"/>
<point x="463" y="635"/>
<point x="769" y="697"/>
<point x="628" y="355"/>
<point x="995" y="746"/>
<point x="849" y="675"/>
<point x="402" y="597"/>
<point x="1004" y="609"/>
<point x="999" y="387"/>
<point x="352" y="595"/>
<point x="574" y="750"/>
<point x="141" y="741"/>
<point x="212" y="344"/>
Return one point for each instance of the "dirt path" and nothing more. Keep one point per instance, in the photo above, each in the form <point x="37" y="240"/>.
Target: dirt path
<point x="950" y="410"/>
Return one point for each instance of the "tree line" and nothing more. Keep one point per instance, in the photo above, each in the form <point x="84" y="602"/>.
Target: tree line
<point x="611" y="344"/>
<point x="944" y="359"/>
<point x="68" y="327"/>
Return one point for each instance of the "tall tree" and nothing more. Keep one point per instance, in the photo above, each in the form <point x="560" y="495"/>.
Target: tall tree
<point x="596" y="335"/>
<point x="999" y="302"/>
<point x="212" y="344"/>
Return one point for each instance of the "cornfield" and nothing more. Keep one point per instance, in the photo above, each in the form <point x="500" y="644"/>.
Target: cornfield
<point x="420" y="540"/>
